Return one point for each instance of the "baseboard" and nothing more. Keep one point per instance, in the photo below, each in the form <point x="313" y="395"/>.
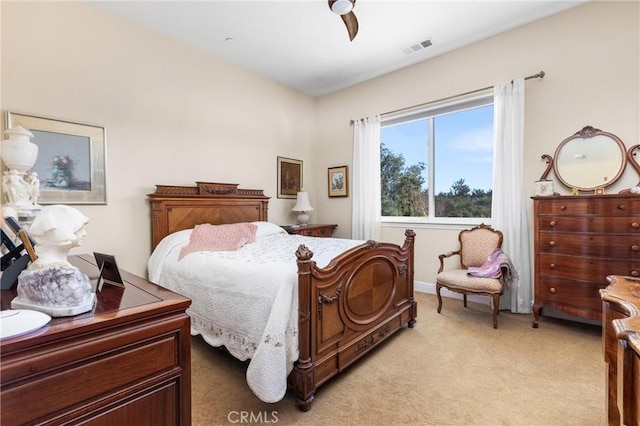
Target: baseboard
<point x="430" y="288"/>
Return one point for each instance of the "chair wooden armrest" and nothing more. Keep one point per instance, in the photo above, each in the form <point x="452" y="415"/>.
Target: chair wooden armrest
<point x="444" y="256"/>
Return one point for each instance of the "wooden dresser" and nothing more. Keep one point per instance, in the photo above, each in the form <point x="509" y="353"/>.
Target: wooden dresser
<point x="126" y="362"/>
<point x="579" y="241"/>
<point x="621" y="347"/>
<point x="311" y="230"/>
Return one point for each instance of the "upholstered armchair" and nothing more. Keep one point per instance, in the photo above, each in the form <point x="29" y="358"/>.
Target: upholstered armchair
<point x="477" y="245"/>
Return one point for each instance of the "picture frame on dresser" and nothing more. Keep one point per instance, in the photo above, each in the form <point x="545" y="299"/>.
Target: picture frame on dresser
<point x="71" y="163"/>
<point x="109" y="272"/>
<point x="289" y="177"/>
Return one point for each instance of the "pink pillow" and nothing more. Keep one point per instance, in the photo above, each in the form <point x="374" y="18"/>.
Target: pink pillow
<point x="231" y="237"/>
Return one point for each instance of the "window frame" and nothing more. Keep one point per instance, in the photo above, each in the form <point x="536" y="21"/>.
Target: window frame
<point x="432" y="110"/>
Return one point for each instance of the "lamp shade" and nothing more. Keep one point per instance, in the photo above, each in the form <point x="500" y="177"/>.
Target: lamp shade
<point x="302" y="203"/>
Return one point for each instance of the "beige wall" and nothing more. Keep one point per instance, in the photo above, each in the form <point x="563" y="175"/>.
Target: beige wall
<point x="174" y="115"/>
<point x="591" y="58"/>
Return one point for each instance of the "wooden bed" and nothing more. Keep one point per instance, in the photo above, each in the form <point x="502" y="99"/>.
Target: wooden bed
<point x="345" y="309"/>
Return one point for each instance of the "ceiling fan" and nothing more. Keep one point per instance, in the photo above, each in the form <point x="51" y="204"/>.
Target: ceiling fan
<point x="344" y="8"/>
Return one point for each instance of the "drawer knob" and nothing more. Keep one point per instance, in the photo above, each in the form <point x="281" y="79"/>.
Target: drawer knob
<point x="552" y="290"/>
<point x="552" y="243"/>
<point x="552" y="266"/>
<point x="635" y="225"/>
<point x="552" y="223"/>
<point x="635" y="274"/>
<point x="621" y="207"/>
<point x="563" y="208"/>
<point x="635" y="247"/>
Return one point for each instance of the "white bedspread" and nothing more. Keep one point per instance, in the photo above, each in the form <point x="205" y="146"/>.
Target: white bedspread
<point x="246" y="300"/>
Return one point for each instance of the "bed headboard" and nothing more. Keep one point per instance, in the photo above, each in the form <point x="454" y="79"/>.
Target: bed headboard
<point x="174" y="208"/>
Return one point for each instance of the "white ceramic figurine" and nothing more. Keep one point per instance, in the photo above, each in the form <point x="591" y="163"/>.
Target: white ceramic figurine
<point x="50" y="283"/>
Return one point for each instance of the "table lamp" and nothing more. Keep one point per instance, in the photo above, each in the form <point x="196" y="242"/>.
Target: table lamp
<point x="302" y="206"/>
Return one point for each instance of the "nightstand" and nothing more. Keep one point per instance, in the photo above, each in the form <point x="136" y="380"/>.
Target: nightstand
<point x="310" y="230"/>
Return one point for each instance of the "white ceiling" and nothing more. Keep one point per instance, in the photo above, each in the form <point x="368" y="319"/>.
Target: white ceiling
<point x="303" y="45"/>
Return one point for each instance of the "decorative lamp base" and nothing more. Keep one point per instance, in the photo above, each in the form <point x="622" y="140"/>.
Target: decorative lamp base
<point x="303" y="218"/>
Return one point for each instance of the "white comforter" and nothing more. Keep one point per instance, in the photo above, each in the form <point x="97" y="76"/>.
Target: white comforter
<point x="246" y="300"/>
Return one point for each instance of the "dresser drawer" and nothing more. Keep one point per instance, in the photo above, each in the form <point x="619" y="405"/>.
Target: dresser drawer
<point x="323" y="232"/>
<point x="619" y="206"/>
<point x="597" y="206"/>
<point x="590" y="224"/>
<point x="586" y="269"/>
<point x="594" y="245"/>
<point x="311" y="230"/>
<point x="565" y="207"/>
<point x="571" y="293"/>
<point x="85" y="373"/>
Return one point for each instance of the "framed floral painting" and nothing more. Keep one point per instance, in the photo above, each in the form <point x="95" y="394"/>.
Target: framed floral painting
<point x="71" y="164"/>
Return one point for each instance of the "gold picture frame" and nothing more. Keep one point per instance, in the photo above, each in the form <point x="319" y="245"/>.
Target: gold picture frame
<point x="338" y="181"/>
<point x="71" y="164"/>
<point x="289" y="177"/>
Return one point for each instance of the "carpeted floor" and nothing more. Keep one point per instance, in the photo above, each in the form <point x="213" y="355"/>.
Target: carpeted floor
<point x="450" y="369"/>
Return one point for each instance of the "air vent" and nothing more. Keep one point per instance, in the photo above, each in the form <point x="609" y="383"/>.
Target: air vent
<point x="417" y="47"/>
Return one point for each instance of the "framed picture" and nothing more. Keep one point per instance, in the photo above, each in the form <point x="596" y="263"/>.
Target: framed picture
<point x="338" y="181"/>
<point x="289" y="177"/>
<point x="109" y="272"/>
<point x="71" y="164"/>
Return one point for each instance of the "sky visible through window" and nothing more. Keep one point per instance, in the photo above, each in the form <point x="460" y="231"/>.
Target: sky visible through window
<point x="463" y="147"/>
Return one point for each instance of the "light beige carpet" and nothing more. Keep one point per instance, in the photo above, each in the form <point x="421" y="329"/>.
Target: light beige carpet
<point x="450" y="369"/>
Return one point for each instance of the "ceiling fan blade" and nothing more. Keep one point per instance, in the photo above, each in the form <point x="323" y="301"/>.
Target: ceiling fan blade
<point x="349" y="18"/>
<point x="351" y="22"/>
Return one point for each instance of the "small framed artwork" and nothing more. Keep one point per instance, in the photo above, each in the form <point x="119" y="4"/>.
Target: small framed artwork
<point x="338" y="181"/>
<point x="289" y="177"/>
<point x="543" y="188"/>
<point x="599" y="190"/>
<point x="71" y="163"/>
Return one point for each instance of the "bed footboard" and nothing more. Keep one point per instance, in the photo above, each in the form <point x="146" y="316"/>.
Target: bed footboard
<point x="347" y="308"/>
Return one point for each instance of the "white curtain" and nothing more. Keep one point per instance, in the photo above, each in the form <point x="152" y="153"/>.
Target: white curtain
<point x="366" y="179"/>
<point x="509" y="204"/>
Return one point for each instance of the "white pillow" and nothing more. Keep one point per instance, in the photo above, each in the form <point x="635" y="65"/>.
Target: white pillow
<point x="267" y="228"/>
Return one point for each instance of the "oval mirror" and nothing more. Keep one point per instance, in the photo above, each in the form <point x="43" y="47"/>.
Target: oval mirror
<point x="590" y="159"/>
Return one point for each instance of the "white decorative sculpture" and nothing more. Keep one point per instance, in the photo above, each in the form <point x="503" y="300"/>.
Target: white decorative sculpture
<point x="21" y="188"/>
<point x="51" y="284"/>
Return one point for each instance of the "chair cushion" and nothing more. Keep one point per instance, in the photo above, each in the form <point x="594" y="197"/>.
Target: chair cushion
<point x="458" y="278"/>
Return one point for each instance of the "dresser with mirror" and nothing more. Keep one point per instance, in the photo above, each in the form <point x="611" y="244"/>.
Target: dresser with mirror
<point x="582" y="238"/>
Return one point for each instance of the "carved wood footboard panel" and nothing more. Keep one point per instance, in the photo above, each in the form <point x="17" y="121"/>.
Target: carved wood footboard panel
<point x="349" y="307"/>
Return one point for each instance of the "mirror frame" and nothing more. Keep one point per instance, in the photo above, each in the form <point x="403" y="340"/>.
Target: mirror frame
<point x="586" y="133"/>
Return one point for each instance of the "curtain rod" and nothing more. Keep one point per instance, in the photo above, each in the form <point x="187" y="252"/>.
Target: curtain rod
<point x="541" y="74"/>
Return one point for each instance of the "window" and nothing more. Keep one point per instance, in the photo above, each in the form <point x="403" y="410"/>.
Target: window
<point x="436" y="164"/>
